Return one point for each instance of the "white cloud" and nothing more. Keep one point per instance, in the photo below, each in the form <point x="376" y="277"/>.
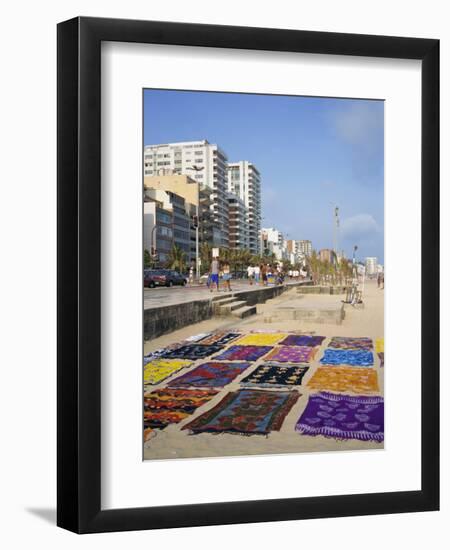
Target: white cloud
<point x="359" y="124"/>
<point x="359" y="226"/>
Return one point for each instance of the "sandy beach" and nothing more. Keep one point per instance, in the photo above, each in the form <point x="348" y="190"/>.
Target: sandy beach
<point x="174" y="442"/>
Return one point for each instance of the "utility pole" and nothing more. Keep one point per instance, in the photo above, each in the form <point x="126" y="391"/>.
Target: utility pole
<point x="336" y="232"/>
<point x="197" y="222"/>
<point x="336" y="229"/>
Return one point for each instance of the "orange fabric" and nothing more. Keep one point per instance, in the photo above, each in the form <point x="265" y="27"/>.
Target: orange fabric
<point x="344" y="379"/>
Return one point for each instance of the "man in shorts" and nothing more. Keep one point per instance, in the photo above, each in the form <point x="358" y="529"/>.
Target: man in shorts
<point x="214" y="276"/>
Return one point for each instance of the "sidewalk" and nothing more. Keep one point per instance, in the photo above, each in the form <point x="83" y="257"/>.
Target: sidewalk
<point x="160" y="297"/>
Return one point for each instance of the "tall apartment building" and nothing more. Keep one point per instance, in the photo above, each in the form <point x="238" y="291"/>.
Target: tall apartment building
<point x="206" y="163"/>
<point x="244" y="180"/>
<point x="239" y="233"/>
<point x="195" y="195"/>
<point x="371" y="266"/>
<point x="272" y="242"/>
<point x="181" y="221"/>
<point x="158" y="230"/>
<point x="305" y="247"/>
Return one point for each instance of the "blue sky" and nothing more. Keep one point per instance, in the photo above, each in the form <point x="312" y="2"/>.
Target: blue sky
<point x="313" y="154"/>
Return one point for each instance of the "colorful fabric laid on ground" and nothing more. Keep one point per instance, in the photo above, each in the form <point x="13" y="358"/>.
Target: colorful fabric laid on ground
<point x="345" y="379"/>
<point x="157" y="370"/>
<point x="247" y="412"/>
<point x="159" y="353"/>
<point x="381" y="356"/>
<point x="345" y="342"/>
<point x="351" y="357"/>
<point x="170" y="406"/>
<point x="302" y="340"/>
<point x="198" y="337"/>
<point x="243" y="353"/>
<point x="261" y="339"/>
<point x="292" y="354"/>
<point x="210" y="375"/>
<point x="379" y="345"/>
<point x="192" y="351"/>
<point x="343" y="417"/>
<point x="273" y="375"/>
<point x="220" y="338"/>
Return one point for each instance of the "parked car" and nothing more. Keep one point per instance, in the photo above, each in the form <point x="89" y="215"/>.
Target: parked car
<point x="163" y="277"/>
<point x="154" y="277"/>
<point x="175" y="278"/>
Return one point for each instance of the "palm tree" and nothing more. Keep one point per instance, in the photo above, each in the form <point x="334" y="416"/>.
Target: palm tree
<point x="313" y="264"/>
<point x="205" y="256"/>
<point x="177" y="258"/>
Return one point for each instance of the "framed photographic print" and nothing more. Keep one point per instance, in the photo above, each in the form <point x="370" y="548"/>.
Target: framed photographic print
<point x="230" y="201"/>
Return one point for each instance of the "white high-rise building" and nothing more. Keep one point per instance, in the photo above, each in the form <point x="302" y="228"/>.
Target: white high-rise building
<point x="371" y="266"/>
<point x="305" y="247"/>
<point x="273" y="242"/>
<point x="238" y="222"/>
<point x="244" y="180"/>
<point x="205" y="162"/>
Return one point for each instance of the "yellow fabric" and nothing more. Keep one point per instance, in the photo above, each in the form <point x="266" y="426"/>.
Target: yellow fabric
<point x="379" y="345"/>
<point x="263" y="339"/>
<point x="157" y="370"/>
<point x="343" y="379"/>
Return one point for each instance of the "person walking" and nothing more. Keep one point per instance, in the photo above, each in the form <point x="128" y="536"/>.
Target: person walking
<point x="226" y="277"/>
<point x="250" y="273"/>
<point x="256" y="274"/>
<point x="214" y="274"/>
<point x="263" y="273"/>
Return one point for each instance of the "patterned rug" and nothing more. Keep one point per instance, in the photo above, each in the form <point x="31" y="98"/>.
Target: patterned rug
<point x="345" y="379"/>
<point x="273" y="375"/>
<point x="192" y="351"/>
<point x="343" y="417"/>
<point x="170" y="406"/>
<point x="302" y="340"/>
<point x="198" y="337"/>
<point x="243" y="353"/>
<point x="379" y="345"/>
<point x="159" y="352"/>
<point x="210" y="375"/>
<point x="344" y="342"/>
<point x="351" y="357"/>
<point x="292" y="354"/>
<point x="246" y="412"/>
<point x="157" y="370"/>
<point x="381" y="357"/>
<point x="220" y="338"/>
<point x="261" y="339"/>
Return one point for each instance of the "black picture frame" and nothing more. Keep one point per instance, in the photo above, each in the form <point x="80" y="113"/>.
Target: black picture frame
<point x="79" y="282"/>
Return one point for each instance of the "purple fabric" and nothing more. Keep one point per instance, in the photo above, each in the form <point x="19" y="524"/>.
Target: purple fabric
<point x="242" y="353"/>
<point x="292" y="354"/>
<point x="210" y="375"/>
<point x="302" y="340"/>
<point x="343" y="417"/>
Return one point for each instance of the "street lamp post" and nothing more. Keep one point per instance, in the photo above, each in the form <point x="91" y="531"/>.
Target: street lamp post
<point x="153" y="241"/>
<point x="197" y="252"/>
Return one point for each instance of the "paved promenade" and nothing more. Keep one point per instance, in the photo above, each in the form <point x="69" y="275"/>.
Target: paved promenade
<point x="157" y="297"/>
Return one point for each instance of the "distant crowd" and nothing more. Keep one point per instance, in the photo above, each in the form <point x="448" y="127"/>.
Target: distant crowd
<point x="262" y="274"/>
